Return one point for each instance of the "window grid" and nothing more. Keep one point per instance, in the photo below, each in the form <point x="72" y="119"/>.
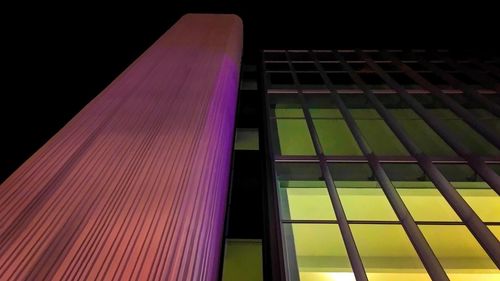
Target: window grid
<point x="352" y="251"/>
<point x="313" y="62"/>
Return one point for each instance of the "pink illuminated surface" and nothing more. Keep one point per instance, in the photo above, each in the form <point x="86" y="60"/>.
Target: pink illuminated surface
<point x="134" y="186"/>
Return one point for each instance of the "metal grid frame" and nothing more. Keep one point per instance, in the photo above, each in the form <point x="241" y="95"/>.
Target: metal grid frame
<point x="311" y="61"/>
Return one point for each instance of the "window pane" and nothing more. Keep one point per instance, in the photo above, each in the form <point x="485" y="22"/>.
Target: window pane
<point x="379" y="136"/>
<point x="329" y="113"/>
<point x="459" y="253"/>
<point x="305" y="200"/>
<point x="426" y="204"/>
<point x="351" y="172"/>
<point x="365" y="201"/>
<point x="387" y="253"/>
<point x="467" y="135"/>
<point x="484" y="116"/>
<point x="361" y="196"/>
<point x="303" y="195"/>
<point x="285" y="106"/>
<point x="485" y="202"/>
<point x="335" y="137"/>
<point x="421" y="134"/>
<point x="419" y="195"/>
<point x="316" y="252"/>
<point x="294" y="137"/>
<point x="477" y="193"/>
<point x="242" y="260"/>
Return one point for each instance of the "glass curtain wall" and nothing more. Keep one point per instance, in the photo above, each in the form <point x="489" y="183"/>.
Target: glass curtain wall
<point x="317" y="158"/>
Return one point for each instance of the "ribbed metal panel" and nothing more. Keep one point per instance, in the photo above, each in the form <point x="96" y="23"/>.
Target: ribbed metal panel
<point x="134" y="187"/>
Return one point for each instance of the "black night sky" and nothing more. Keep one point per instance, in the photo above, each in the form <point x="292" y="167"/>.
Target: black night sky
<point x="59" y="58"/>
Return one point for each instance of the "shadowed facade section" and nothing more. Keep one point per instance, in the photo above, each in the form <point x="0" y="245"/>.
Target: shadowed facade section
<point x="134" y="187"/>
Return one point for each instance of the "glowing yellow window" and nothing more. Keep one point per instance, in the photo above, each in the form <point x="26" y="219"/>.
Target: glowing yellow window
<point x="305" y="200"/>
<point x="316" y="253"/>
<point x="483" y="200"/>
<point x="425" y="202"/>
<point x="364" y="200"/>
<point x="459" y="253"/>
<point x="387" y="253"/>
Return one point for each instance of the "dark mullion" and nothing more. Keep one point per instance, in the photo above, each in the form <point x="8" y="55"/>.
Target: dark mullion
<point x="450" y="103"/>
<point x="486" y="81"/>
<point x="416" y="237"/>
<point x="274" y="239"/>
<point x="352" y="251"/>
<point x="468" y="91"/>
<point x="484" y="236"/>
<point x="273" y="136"/>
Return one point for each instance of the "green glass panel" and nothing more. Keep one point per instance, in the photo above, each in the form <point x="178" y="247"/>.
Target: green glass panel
<point x="289" y="112"/>
<point x="387" y="253"/>
<point x="379" y="136"/>
<point x="242" y="260"/>
<point x="317" y="251"/>
<point x="294" y="138"/>
<point x="421" y="134"/>
<point x="468" y="136"/>
<point x="459" y="253"/>
<point x="335" y="137"/>
<point x="364" y="113"/>
<point x="246" y="139"/>
<point x="347" y="172"/>
<point x="325" y="113"/>
<point x="459" y="173"/>
<point x="305" y="200"/>
<point x="488" y="119"/>
<point x="364" y="200"/>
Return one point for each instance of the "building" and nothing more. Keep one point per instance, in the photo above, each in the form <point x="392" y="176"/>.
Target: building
<point x="347" y="165"/>
<point x="384" y="164"/>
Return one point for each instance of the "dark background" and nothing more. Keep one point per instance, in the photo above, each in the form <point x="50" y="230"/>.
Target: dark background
<point x="58" y="58"/>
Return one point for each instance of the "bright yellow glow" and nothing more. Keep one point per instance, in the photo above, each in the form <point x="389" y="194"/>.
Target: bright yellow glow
<point x="366" y="204"/>
<point x="387" y="253"/>
<point x="482" y="199"/>
<point x="364" y="200"/>
<point x="459" y="253"/>
<point x="319" y="250"/>
<point x="309" y="203"/>
<point x="427" y="204"/>
<point x="496" y="230"/>
<point x="327" y="276"/>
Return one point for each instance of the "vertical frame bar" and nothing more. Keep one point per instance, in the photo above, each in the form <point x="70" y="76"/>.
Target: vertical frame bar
<point x="273" y="240"/>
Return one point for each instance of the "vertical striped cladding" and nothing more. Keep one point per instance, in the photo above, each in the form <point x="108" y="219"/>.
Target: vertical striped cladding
<point x="134" y="186"/>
